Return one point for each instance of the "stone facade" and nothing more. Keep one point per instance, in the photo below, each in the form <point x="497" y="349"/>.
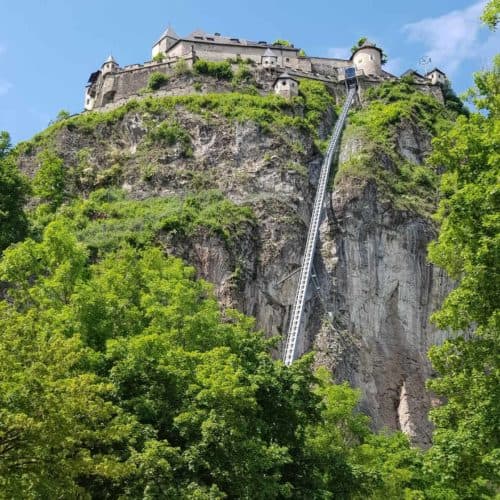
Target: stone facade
<point x="286" y="86"/>
<point x="368" y="59"/>
<point x="112" y="83"/>
<point x="436" y="76"/>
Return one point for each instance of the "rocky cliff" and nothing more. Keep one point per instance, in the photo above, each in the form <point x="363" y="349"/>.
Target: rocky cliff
<point x="373" y="291"/>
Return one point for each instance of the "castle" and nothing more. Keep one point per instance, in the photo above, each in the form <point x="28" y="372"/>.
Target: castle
<point x="277" y="66"/>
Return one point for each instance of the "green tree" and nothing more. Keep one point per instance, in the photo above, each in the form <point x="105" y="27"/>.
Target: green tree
<point x="465" y="457"/>
<point x="491" y="14"/>
<point x="181" y="399"/>
<point x="452" y="101"/>
<point x="62" y="115"/>
<point x="49" y="180"/>
<point x="159" y="57"/>
<point x="59" y="428"/>
<point x="283" y="43"/>
<point x="13" y="192"/>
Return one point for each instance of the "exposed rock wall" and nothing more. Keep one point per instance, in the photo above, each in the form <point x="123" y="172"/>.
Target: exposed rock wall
<point x="368" y="308"/>
<point x="382" y="292"/>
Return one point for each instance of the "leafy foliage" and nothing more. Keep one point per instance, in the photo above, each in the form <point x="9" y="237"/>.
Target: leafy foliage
<point x="491" y="14"/>
<point x="465" y="457"/>
<point x="358" y="44"/>
<point x="170" y="133"/>
<point x="243" y="74"/>
<point x="181" y="68"/>
<point x="392" y="108"/>
<point x="62" y="115"/>
<point x="452" y="101"/>
<point x="157" y="80"/>
<point x="317" y="100"/>
<point x="221" y="70"/>
<point x="13" y="192"/>
<point x="159" y="57"/>
<point x="107" y="219"/>
<point x="49" y="180"/>
<point x="283" y="43"/>
<point x="123" y="377"/>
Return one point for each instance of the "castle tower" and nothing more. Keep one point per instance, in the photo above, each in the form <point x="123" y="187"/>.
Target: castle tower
<point x="166" y="41"/>
<point x="109" y="65"/>
<point x="436" y="76"/>
<point x="286" y="86"/>
<point x="269" y="59"/>
<point x="368" y="58"/>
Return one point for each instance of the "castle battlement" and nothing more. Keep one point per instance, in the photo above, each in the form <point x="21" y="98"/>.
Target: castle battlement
<point x="112" y="83"/>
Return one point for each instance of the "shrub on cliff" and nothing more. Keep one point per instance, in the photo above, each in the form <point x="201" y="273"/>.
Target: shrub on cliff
<point x="221" y="70"/>
<point x="181" y="67"/>
<point x="157" y="80"/>
<point x="159" y="57"/>
<point x="49" y="180"/>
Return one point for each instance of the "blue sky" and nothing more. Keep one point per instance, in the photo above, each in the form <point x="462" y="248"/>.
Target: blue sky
<point x="48" y="48"/>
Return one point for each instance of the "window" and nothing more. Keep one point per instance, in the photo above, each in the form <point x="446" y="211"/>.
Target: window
<point x="283" y="83"/>
<point x="371" y="58"/>
<point x="360" y="60"/>
<point x="287" y="59"/>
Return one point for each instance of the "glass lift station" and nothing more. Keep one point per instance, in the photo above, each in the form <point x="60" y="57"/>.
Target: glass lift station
<point x="294" y="328"/>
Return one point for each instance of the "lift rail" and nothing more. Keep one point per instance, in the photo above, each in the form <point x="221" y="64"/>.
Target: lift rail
<point x="294" y="329"/>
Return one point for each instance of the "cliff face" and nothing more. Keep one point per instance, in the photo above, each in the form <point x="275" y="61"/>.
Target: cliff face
<point x="369" y="304"/>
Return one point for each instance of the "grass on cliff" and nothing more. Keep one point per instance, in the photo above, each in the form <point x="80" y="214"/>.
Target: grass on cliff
<point x="392" y="107"/>
<point x="107" y="218"/>
<point x="270" y="112"/>
<point x="391" y="104"/>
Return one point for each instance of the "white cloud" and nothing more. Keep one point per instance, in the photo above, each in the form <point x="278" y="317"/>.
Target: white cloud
<point x="339" y="52"/>
<point x="451" y="38"/>
<point x="393" y="65"/>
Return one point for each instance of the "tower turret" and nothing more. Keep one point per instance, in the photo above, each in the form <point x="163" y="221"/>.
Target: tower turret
<point x="436" y="76"/>
<point x="368" y="58"/>
<point x="166" y="41"/>
<point x="109" y="65"/>
<point x="269" y="59"/>
<point x="286" y="86"/>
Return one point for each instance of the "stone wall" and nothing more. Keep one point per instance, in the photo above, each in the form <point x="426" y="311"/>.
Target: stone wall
<point x="327" y="66"/>
<point x="130" y="80"/>
<point x="221" y="52"/>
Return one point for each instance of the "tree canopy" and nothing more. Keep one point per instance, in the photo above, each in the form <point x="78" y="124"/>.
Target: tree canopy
<point x="465" y="454"/>
<point x="13" y="192"/>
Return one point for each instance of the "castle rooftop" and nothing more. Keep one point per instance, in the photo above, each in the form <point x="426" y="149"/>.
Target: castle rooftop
<point x="201" y="36"/>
